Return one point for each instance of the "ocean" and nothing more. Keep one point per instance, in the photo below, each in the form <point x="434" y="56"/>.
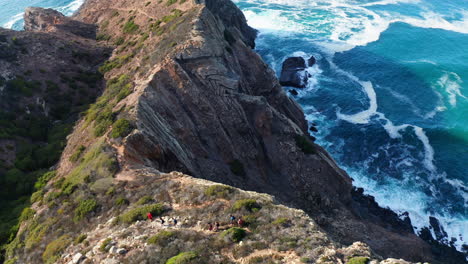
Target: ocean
<point x="389" y="92"/>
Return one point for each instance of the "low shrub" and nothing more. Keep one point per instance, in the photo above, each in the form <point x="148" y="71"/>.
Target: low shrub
<point x="171" y="2"/>
<point x="121" y="201"/>
<point x="145" y="200"/>
<point x="27" y="214"/>
<point x="162" y="237"/>
<point x="219" y="191"/>
<point x="358" y="260"/>
<point x="79" y="239"/>
<point x="84" y="208"/>
<point x="183" y="258"/>
<point x="104" y="244"/>
<point x="55" y="248"/>
<point x="250" y="205"/>
<point x="234" y="233"/>
<point x="121" y="128"/>
<point x="141" y="212"/>
<point x="281" y="221"/>
<point x="130" y="27"/>
<point x="44" y="179"/>
<point x="77" y="154"/>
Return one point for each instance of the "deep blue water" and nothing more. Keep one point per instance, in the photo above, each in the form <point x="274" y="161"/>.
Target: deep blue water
<point x="389" y="92"/>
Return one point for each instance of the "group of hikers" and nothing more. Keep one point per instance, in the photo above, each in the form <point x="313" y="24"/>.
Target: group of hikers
<point x="172" y="220"/>
<point x="210" y="226"/>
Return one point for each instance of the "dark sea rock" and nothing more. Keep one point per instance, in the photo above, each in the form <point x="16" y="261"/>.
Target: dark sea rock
<point x="311" y="61"/>
<point x="313" y="129"/>
<point x="292" y="72"/>
<point x="293" y="92"/>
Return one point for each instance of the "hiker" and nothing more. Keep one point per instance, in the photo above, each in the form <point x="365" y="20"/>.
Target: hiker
<point x="150" y="216"/>
<point x="216" y="228"/>
<point x="210" y="227"/>
<point x="175" y="221"/>
<point x="241" y="222"/>
<point x="162" y="220"/>
<point x="233" y="220"/>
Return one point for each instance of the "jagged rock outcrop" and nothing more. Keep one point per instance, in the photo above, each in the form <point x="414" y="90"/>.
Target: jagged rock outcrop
<point x="186" y="92"/>
<point x="293" y="72"/>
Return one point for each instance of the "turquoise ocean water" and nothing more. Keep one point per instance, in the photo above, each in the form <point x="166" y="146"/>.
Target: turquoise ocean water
<point x="389" y="92"/>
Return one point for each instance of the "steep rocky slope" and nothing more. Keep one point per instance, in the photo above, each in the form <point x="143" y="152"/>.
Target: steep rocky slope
<point x="186" y="92"/>
<point x="46" y="80"/>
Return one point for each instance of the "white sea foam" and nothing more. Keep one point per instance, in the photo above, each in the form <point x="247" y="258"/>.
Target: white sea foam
<point x="13" y="20"/>
<point x="392" y="2"/>
<point x="451" y="83"/>
<point x="71" y="8"/>
<point x="272" y="21"/>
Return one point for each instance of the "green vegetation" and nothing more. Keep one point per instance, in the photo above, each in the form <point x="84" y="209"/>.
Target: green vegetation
<point x="250" y="205"/>
<point x="20" y="86"/>
<point x="281" y="221"/>
<point x="234" y="233"/>
<point x="37" y="231"/>
<point x="183" y="258"/>
<point x="84" y="208"/>
<point x="77" y="154"/>
<point x="119" y="41"/>
<point x="147" y="4"/>
<point x="161" y="238"/>
<point x="118" y="62"/>
<point x="101" y="111"/>
<point x="55" y="248"/>
<point x="79" y="239"/>
<point x="145" y="200"/>
<point x="237" y="168"/>
<point x="304" y="144"/>
<point x="130" y="27"/>
<point x="139" y="213"/>
<point x="121" y="128"/>
<point x="121" y="201"/>
<point x="358" y="260"/>
<point x="103" y="37"/>
<point x="27" y="214"/>
<point x="104" y="244"/>
<point x="171" y="2"/>
<point x="219" y="191"/>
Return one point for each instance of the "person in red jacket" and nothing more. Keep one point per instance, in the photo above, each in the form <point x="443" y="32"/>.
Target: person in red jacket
<point x="240" y="222"/>
<point x="150" y="216"/>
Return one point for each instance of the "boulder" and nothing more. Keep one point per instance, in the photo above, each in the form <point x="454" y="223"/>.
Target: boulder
<point x="121" y="251"/>
<point x="293" y="72"/>
<point x="77" y="258"/>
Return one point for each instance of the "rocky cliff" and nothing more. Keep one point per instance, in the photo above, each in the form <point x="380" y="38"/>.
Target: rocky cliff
<point x="185" y="92"/>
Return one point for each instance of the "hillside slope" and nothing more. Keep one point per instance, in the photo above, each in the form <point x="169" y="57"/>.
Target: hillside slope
<point x="185" y="92"/>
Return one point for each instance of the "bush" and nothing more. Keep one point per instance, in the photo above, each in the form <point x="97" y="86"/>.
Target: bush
<point x="104" y="244"/>
<point x="237" y="168"/>
<point x="358" y="260"/>
<point x="248" y="204"/>
<point x="77" y="154"/>
<point x="140" y="213"/>
<point x="183" y="258"/>
<point x="84" y="208"/>
<point x="44" y="179"/>
<point x="220" y="191"/>
<point x="161" y="238"/>
<point x="145" y="200"/>
<point x="121" y="128"/>
<point x="304" y="144"/>
<point x="281" y="221"/>
<point x="55" y="248"/>
<point x="37" y="196"/>
<point x="236" y="234"/>
<point x="79" y="239"/>
<point x="130" y="27"/>
<point x="171" y="2"/>
<point x="121" y="201"/>
<point x="27" y="214"/>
